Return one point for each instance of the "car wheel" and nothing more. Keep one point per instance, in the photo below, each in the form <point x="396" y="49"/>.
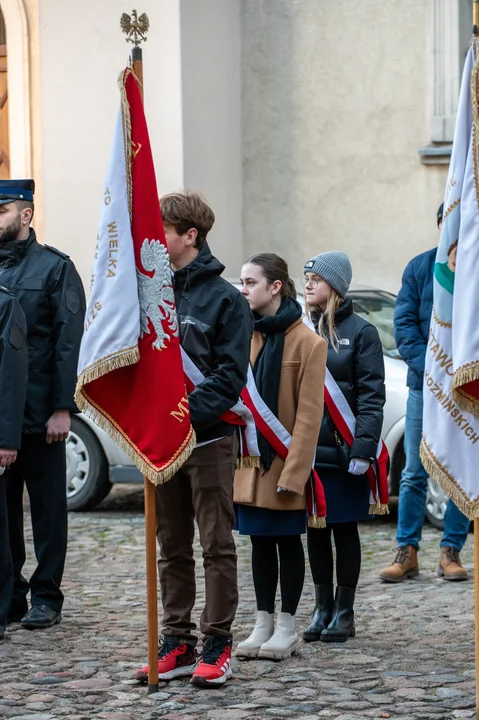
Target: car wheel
<point x="436" y="502"/>
<point x="87" y="468"/>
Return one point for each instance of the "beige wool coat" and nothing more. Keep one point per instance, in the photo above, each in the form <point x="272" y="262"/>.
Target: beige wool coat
<point x="300" y="411"/>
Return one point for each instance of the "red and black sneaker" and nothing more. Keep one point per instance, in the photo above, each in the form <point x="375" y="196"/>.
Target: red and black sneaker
<point x="174" y="660"/>
<point x="214" y="667"/>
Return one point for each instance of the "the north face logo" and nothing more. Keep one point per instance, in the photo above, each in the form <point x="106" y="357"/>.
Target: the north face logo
<point x="344" y="341"/>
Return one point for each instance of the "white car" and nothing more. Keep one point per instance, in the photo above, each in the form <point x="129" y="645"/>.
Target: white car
<point x="95" y="462"/>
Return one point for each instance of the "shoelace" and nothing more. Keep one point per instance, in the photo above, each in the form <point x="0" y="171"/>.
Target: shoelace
<point x="212" y="650"/>
<point x="452" y="554"/>
<point x="401" y="556"/>
<point x="165" y="649"/>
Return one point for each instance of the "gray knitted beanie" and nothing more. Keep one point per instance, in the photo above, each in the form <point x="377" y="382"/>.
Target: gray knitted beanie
<point x="334" y="267"/>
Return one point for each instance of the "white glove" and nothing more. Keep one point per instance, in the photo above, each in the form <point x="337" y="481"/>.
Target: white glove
<point x="282" y="490"/>
<point x="358" y="466"/>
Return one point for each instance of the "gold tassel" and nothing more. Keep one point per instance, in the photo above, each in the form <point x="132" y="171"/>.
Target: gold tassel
<point x="316" y="522"/>
<point x="126" y="123"/>
<point x="378" y="509"/>
<point x="447" y="482"/>
<point x="248" y="461"/>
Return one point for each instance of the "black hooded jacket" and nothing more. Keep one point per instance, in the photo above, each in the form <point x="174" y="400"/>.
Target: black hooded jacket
<point x="358" y="368"/>
<point x="50" y="292"/>
<point x="216" y="325"/>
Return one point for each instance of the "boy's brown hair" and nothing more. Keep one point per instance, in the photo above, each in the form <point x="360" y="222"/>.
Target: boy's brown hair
<point x="185" y="210"/>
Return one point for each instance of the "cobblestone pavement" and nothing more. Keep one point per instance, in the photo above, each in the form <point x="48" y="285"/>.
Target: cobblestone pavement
<point x="412" y="657"/>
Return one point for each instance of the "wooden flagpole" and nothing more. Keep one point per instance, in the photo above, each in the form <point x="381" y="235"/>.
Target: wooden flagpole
<point x="136" y="28"/>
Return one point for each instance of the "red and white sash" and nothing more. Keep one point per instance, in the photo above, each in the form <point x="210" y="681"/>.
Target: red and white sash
<point x="345" y="423"/>
<point x="238" y="415"/>
<point x="251" y="412"/>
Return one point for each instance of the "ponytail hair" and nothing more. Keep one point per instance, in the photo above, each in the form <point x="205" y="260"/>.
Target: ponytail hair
<point x="275" y="268"/>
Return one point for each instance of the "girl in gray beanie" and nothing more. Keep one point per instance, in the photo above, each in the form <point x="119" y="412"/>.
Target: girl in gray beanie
<point x="335" y="272"/>
<point x="355" y="361"/>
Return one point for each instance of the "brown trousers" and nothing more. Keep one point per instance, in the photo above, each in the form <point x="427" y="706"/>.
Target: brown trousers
<point x="202" y="489"/>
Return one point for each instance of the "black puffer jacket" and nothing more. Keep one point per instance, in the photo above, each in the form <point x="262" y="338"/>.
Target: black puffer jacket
<point x="50" y="292"/>
<point x="216" y="325"/>
<point x="358" y="368"/>
<point x="13" y="370"/>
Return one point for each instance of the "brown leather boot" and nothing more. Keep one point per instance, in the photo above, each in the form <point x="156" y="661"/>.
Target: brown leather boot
<point x="403" y="566"/>
<point x="450" y="566"/>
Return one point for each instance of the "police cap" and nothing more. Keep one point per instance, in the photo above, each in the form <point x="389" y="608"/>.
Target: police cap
<point x="11" y="190"/>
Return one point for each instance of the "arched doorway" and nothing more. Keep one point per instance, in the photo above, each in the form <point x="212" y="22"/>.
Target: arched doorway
<point x="18" y="108"/>
<point x="4" y="134"/>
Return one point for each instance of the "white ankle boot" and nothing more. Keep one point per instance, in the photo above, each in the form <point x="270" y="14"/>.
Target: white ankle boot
<point x="262" y="631"/>
<point x="285" y="640"/>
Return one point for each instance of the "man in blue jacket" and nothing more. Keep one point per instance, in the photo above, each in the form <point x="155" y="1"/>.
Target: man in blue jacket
<point x="411" y="328"/>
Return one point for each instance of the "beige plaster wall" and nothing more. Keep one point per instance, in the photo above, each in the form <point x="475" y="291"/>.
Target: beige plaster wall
<point x="34" y="94"/>
<point x="211" y="92"/>
<point x="335" y="108"/>
<point x="82" y="51"/>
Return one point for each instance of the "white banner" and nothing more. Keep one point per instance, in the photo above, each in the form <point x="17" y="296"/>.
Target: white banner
<point x="112" y="322"/>
<point x="450" y="447"/>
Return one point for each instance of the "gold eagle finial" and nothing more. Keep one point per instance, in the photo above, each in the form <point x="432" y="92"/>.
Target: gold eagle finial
<point x="134" y="27"/>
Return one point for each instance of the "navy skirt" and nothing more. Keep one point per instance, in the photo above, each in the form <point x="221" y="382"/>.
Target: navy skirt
<point x="347" y="496"/>
<point x="261" y="521"/>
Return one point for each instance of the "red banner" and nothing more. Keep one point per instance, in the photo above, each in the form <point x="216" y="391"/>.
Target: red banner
<point x="137" y="394"/>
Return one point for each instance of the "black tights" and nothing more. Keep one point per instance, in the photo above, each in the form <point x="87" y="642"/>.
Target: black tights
<point x="265" y="571"/>
<point x="348" y="554"/>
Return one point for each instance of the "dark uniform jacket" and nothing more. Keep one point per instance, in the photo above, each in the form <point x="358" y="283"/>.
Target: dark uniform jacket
<point x="412" y="315"/>
<point x="216" y="326"/>
<point x="50" y="292"/>
<point x="13" y="370"/>
<point x="358" y="368"/>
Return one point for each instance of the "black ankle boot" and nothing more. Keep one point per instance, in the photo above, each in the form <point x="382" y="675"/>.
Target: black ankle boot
<point x="341" y="626"/>
<point x="322" y="613"/>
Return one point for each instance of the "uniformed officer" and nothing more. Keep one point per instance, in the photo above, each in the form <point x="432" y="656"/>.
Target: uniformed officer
<point x="50" y="292"/>
<point x="13" y="390"/>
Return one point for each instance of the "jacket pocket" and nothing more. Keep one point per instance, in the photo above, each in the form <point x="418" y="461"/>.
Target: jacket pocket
<point x="72" y="300"/>
<point x="17" y="337"/>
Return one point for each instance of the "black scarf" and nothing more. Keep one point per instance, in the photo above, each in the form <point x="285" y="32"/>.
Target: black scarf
<point x="267" y="368"/>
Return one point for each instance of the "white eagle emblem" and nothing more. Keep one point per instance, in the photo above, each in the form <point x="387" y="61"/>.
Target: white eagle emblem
<point x="157" y="299"/>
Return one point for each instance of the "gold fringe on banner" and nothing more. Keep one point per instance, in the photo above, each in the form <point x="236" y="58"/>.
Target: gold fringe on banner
<point x="445" y="480"/>
<point x="158" y="476"/>
<point x="115" y="361"/>
<point x="475" y="114"/>
<point x="316" y="522"/>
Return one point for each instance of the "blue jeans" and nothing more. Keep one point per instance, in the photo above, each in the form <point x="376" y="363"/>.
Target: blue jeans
<point x="413" y="488"/>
